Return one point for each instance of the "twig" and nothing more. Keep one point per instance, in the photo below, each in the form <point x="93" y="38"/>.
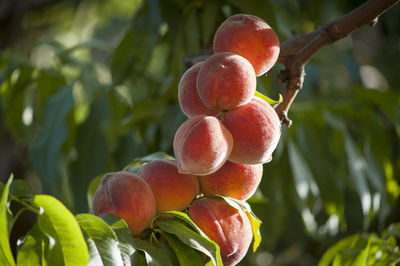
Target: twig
<point x="296" y="52"/>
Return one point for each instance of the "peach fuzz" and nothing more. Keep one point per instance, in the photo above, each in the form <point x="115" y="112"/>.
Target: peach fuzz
<point x="238" y="181"/>
<point x="256" y="129"/>
<point x="226" y="81"/>
<point x="250" y="37"/>
<point x="201" y="145"/>
<point x="173" y="191"/>
<point x="230" y="228"/>
<point x="128" y="196"/>
<point x="189" y="99"/>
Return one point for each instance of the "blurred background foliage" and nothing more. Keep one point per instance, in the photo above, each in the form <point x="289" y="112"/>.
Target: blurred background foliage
<point x="86" y="86"/>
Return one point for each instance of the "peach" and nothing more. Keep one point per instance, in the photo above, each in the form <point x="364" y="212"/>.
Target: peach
<point x="238" y="181"/>
<point x="201" y="145"/>
<point x="189" y="99"/>
<point x="226" y="81"/>
<point x="256" y="129"/>
<point x="230" y="228"/>
<point x="250" y="37"/>
<point x="173" y="191"/>
<point x="128" y="196"/>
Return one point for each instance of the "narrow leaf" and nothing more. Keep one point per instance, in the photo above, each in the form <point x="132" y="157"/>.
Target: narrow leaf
<point x="45" y="151"/>
<point x="254" y="220"/>
<point x="94" y="254"/>
<point x="303" y="178"/>
<point x="267" y="99"/>
<point x="357" y="167"/>
<point x="155" y="256"/>
<point x="104" y="238"/>
<point x="94" y="184"/>
<point x="180" y="215"/>
<point x="333" y="251"/>
<point x="185" y="254"/>
<point x="192" y="239"/>
<point x="6" y="257"/>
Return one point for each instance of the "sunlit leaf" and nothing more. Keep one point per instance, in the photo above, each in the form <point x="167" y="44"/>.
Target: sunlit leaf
<point x="330" y="254"/>
<point x="6" y="257"/>
<point x="254" y="220"/>
<point x="32" y="249"/>
<point x="58" y="223"/>
<point x="269" y="100"/>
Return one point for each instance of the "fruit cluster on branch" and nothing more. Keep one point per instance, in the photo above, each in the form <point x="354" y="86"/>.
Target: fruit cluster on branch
<point x="219" y="150"/>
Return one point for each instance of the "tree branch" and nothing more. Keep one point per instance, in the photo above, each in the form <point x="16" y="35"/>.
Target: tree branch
<point x="296" y="53"/>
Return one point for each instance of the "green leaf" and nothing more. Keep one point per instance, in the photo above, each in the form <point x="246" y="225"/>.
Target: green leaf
<point x="94" y="255"/>
<point x="20" y="188"/>
<point x="94" y="184"/>
<point x="362" y="258"/>
<point x="357" y="166"/>
<point x="135" y="49"/>
<point x="333" y="251"/>
<point x="6" y="257"/>
<point x="105" y="239"/>
<point x="94" y="43"/>
<point x="155" y="256"/>
<point x="138" y="259"/>
<point x="255" y="227"/>
<point x="58" y="223"/>
<point x="191" y="238"/>
<point x="32" y="250"/>
<point x="267" y="99"/>
<point x="392" y="230"/>
<point x="14" y="99"/>
<point x="303" y="177"/>
<point x="180" y="215"/>
<point x="93" y="152"/>
<point x="208" y="18"/>
<point x="45" y="151"/>
<point x="185" y="254"/>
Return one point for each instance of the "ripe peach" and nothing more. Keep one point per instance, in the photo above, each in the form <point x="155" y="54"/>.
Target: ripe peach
<point x="226" y="81"/>
<point x="230" y="228"/>
<point x="189" y="99"/>
<point x="201" y="145"/>
<point x="234" y="180"/>
<point x="128" y="196"/>
<point x="250" y="37"/>
<point x="173" y="191"/>
<point x="256" y="129"/>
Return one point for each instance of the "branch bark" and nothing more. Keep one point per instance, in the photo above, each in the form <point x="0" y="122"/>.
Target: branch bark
<point x="296" y="52"/>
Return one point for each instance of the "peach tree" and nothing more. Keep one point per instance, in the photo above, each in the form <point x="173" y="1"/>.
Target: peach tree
<point x="189" y="79"/>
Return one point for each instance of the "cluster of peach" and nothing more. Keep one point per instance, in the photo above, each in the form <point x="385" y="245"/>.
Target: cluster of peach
<point x="219" y="150"/>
